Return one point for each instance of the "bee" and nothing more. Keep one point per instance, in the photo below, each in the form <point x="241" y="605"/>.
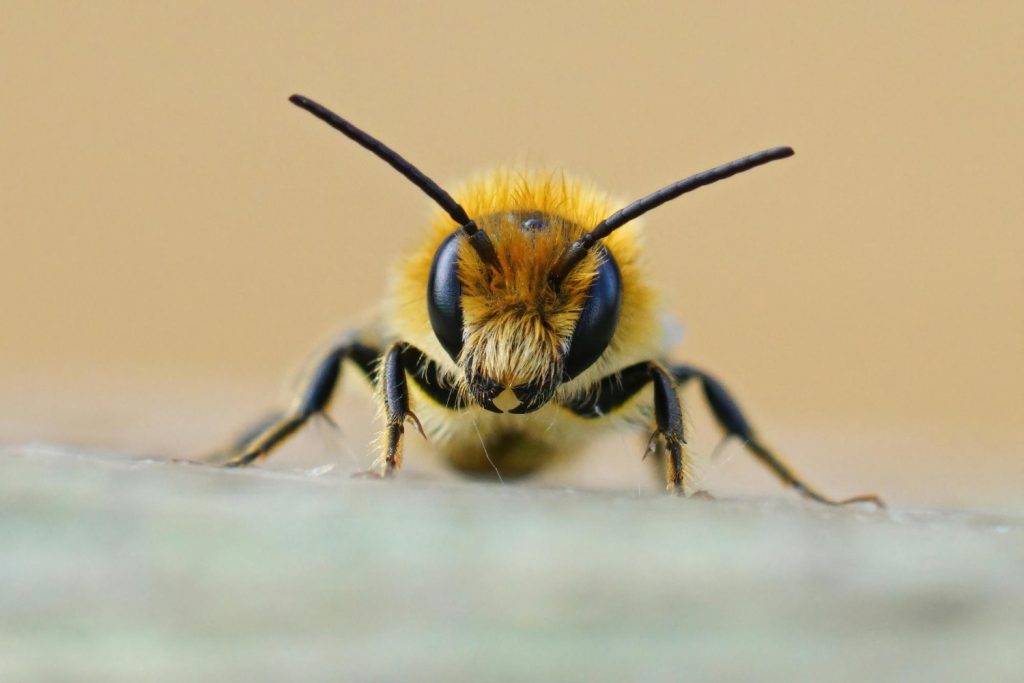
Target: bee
<point x="522" y="327"/>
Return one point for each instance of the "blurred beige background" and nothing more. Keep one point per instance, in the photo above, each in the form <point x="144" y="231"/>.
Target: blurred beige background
<point x="176" y="236"/>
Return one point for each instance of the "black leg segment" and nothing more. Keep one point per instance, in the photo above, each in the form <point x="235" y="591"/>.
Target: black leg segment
<point x="668" y="416"/>
<point x="312" y="399"/>
<point x="735" y="424"/>
<point x="614" y="390"/>
<point x="395" y="389"/>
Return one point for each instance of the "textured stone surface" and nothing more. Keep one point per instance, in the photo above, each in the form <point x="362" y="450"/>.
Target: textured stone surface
<point x="124" y="570"/>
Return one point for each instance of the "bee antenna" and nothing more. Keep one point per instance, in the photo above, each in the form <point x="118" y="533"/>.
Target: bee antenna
<point x="477" y="238"/>
<point x="571" y="258"/>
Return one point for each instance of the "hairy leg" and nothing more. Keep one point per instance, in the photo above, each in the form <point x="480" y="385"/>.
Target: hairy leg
<point x="394" y="388"/>
<point x="614" y="390"/>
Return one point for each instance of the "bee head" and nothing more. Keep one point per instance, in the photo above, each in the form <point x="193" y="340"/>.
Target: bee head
<point x="506" y="324"/>
<point x="528" y="298"/>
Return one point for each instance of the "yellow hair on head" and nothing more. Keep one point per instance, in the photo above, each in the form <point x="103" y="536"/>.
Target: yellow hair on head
<point x="551" y="193"/>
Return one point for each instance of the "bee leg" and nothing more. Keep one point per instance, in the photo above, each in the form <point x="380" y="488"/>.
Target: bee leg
<point x="223" y="455"/>
<point x="668" y="441"/>
<point x="732" y="420"/>
<point x="657" y="455"/>
<point x="394" y="389"/>
<point x="312" y="399"/>
<point x="668" y="417"/>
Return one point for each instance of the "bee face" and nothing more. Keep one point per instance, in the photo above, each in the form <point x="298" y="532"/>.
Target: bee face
<point x="505" y="325"/>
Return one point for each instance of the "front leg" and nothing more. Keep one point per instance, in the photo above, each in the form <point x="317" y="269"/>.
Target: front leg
<point x="394" y="391"/>
<point x="613" y="391"/>
<point x="668" y="420"/>
<point x="388" y="374"/>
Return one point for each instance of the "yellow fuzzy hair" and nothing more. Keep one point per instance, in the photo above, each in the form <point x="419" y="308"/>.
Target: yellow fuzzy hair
<point x="517" y="328"/>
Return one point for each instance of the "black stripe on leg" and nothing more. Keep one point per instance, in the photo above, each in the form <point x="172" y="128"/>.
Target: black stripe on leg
<point x="724" y="407"/>
<point x="396" y="390"/>
<point x="267" y="441"/>
<point x="668" y="414"/>
<point x="322" y="382"/>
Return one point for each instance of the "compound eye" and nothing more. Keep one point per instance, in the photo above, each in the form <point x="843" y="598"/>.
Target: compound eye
<point x="597" y="322"/>
<point x="444" y="296"/>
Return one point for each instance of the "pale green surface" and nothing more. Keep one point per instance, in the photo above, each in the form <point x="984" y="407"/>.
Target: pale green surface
<point x="120" y="570"/>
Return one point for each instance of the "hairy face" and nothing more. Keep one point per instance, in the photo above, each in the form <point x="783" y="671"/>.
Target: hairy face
<point x="517" y="328"/>
<point x="506" y="326"/>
